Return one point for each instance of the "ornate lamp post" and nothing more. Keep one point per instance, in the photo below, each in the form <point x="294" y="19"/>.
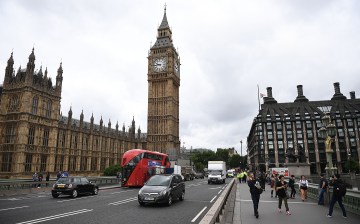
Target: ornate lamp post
<point x="328" y="132"/>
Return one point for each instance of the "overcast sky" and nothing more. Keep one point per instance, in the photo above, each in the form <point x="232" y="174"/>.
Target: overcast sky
<point x="227" y="48"/>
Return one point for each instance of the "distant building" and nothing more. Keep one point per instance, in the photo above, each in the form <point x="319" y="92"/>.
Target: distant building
<point x="279" y="126"/>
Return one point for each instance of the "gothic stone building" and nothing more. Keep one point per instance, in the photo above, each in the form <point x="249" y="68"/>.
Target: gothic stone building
<point x="280" y="126"/>
<point x="35" y="137"/>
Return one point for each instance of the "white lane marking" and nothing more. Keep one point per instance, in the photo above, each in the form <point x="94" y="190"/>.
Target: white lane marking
<point x="5" y="209"/>
<point x="197" y="216"/>
<point x="215" y="188"/>
<point x="212" y="199"/>
<point x="56" y="216"/>
<point x="219" y="191"/>
<point x="123" y="201"/>
<point x="75" y="199"/>
<point x="121" y="192"/>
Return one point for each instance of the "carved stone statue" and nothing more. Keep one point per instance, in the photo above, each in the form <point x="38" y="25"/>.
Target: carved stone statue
<point x="293" y="157"/>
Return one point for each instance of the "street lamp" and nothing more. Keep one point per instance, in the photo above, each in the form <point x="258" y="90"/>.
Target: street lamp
<point x="241" y="147"/>
<point x="328" y="132"/>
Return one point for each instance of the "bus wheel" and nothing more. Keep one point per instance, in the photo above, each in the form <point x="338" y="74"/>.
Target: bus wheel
<point x="169" y="202"/>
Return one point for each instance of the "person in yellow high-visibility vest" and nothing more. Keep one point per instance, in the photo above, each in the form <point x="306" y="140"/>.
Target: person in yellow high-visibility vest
<point x="244" y="176"/>
<point x="240" y="176"/>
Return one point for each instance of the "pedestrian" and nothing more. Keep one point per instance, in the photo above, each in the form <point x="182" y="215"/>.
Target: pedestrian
<point x="292" y="186"/>
<point x="281" y="188"/>
<point x="35" y="178"/>
<point x="337" y="195"/>
<point x="40" y="177"/>
<point x="323" y="185"/>
<point x="272" y="184"/>
<point x="47" y="178"/>
<point x="255" y="191"/>
<point x="241" y="175"/>
<point x="262" y="180"/>
<point x="303" y="184"/>
<point x="244" y="176"/>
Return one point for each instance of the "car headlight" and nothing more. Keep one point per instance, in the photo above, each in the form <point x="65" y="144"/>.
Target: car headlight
<point x="164" y="192"/>
<point x="70" y="186"/>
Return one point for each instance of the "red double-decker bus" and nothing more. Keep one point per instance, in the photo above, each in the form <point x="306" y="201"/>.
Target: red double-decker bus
<point x="138" y="165"/>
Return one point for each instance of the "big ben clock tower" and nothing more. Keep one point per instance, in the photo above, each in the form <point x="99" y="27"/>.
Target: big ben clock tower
<point x="163" y="93"/>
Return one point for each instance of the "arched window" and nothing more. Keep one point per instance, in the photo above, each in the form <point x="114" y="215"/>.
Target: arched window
<point x="35" y="104"/>
<point x="48" y="106"/>
<point x="14" y="103"/>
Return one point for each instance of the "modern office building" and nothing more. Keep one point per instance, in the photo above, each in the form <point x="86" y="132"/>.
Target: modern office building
<point x="280" y="126"/>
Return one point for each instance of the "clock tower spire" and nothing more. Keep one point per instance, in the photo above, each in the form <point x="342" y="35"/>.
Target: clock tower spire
<point x="163" y="93"/>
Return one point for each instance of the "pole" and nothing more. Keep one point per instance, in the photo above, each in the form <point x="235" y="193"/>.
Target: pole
<point x="241" y="147"/>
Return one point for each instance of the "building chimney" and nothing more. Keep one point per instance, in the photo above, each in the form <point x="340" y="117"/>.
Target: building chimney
<point x="352" y="95"/>
<point x="338" y="95"/>
<point x="300" y="97"/>
<point x="269" y="99"/>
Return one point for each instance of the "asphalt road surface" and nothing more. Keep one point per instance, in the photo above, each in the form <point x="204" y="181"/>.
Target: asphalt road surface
<point x="113" y="205"/>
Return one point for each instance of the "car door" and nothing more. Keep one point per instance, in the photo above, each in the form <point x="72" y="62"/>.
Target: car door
<point x="86" y="185"/>
<point x="177" y="188"/>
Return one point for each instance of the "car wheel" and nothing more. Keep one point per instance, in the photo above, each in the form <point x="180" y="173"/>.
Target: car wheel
<point x="182" y="197"/>
<point x="55" y="195"/>
<point x="96" y="191"/>
<point x="208" y="182"/>
<point x="169" y="202"/>
<point x="141" y="203"/>
<point x="74" y="193"/>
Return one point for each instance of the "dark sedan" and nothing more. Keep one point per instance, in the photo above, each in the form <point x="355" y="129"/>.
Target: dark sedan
<point x="162" y="188"/>
<point x="73" y="186"/>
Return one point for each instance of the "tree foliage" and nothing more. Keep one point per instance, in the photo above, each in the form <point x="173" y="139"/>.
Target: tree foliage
<point x="352" y="166"/>
<point x="112" y="170"/>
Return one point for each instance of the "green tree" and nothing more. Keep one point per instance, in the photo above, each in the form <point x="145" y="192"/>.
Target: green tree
<point x="223" y="155"/>
<point x="112" y="170"/>
<point x="352" y="166"/>
<point x="235" y="161"/>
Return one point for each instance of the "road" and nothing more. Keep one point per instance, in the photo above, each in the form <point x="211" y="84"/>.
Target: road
<point x="113" y="205"/>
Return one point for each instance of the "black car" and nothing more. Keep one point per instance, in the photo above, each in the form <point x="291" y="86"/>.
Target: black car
<point x="162" y="188"/>
<point x="73" y="186"/>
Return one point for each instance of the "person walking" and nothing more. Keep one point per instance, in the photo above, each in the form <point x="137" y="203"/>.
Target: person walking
<point x="337" y="196"/>
<point x="47" y="178"/>
<point x="303" y="184"/>
<point x="323" y="184"/>
<point x="292" y="186"/>
<point x="281" y="188"/>
<point x="255" y="191"/>
<point x="58" y="175"/>
<point x="272" y="184"/>
<point x="35" y="178"/>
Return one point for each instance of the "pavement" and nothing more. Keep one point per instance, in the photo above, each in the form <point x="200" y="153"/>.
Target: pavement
<point x="307" y="212"/>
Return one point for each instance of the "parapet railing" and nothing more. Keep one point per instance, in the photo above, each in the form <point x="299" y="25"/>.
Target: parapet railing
<point x="351" y="200"/>
<point x="217" y="213"/>
<point x="28" y="183"/>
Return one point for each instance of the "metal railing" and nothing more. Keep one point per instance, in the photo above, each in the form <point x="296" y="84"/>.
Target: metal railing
<point x="25" y="185"/>
<point x="351" y="200"/>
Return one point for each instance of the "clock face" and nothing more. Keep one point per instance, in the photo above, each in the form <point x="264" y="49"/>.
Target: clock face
<point x="159" y="64"/>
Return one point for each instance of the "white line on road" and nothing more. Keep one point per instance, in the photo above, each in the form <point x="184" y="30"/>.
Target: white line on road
<point x="197" y="216"/>
<point x="74" y="199"/>
<point x="5" y="209"/>
<point x="121" y="192"/>
<point x="212" y="199"/>
<point x="123" y="201"/>
<point x="219" y="191"/>
<point x="56" y="216"/>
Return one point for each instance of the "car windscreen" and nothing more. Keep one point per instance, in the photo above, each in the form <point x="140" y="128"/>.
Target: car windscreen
<point x="63" y="180"/>
<point x="158" y="180"/>
<point x="216" y="172"/>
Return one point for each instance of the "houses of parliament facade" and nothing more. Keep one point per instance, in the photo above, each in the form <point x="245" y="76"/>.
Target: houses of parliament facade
<point x="36" y="137"/>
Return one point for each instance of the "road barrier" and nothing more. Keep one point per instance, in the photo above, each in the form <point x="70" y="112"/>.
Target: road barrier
<point x="26" y="186"/>
<point x="219" y="212"/>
